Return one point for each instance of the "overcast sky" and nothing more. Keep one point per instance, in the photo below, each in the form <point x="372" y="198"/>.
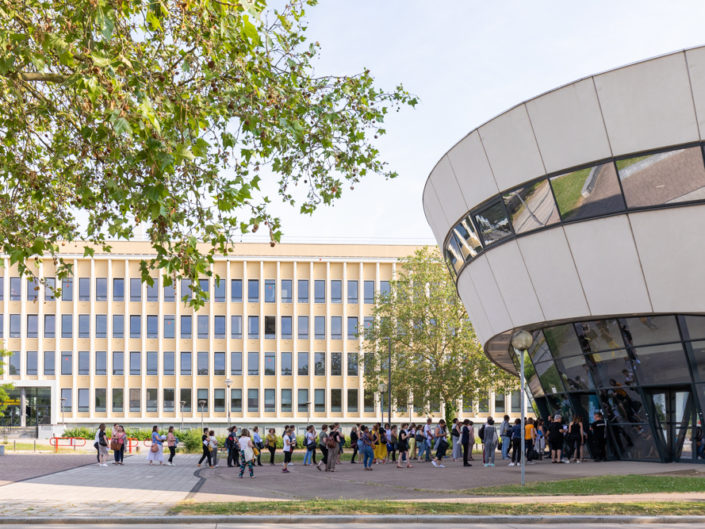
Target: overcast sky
<point x="467" y="61"/>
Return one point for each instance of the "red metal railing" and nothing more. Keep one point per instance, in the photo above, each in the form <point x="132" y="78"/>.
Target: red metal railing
<point x="74" y="442"/>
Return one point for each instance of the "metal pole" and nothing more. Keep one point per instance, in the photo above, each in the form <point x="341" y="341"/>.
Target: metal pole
<point x="389" y="383"/>
<point x="523" y="429"/>
<point x="381" y="407"/>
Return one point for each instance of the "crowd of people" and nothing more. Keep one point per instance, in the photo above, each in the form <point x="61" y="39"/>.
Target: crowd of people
<point x="562" y="441"/>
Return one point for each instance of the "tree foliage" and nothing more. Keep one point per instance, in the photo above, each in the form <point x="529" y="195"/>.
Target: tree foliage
<point x="167" y="115"/>
<point x="436" y="355"/>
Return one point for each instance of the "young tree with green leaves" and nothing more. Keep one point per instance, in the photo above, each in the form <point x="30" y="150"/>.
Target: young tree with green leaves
<point x="436" y="356"/>
<point x="167" y="114"/>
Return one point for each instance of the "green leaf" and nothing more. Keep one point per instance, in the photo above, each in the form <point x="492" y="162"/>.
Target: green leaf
<point x="122" y="126"/>
<point x="99" y="60"/>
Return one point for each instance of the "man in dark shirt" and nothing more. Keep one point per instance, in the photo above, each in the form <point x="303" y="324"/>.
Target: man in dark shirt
<point x="465" y="441"/>
<point x="599" y="437"/>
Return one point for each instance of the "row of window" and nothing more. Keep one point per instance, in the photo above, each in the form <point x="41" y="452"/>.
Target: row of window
<point x="219" y="290"/>
<point x="203" y="323"/>
<point x="650" y="179"/>
<point x="202" y="403"/>
<point x="205" y="363"/>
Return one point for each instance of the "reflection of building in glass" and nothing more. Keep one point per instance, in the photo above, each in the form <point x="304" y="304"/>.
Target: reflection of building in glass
<point x="586" y="207"/>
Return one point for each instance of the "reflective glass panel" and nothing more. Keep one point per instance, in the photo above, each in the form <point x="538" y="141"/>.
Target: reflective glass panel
<point x="539" y="349"/>
<point x="694" y="328"/>
<point x="599" y="335"/>
<point x="549" y="377"/>
<point x="659" y="364"/>
<point x="588" y="192"/>
<point x="663" y="178"/>
<point x="647" y="330"/>
<point x="562" y="340"/>
<point x="634" y="441"/>
<point x="452" y="254"/>
<point x="219" y="290"/>
<point x="531" y="207"/>
<point x="118" y="289"/>
<point x="612" y="368"/>
<point x="493" y="224"/>
<point x="467" y="237"/>
<point x="575" y="373"/>
<point x="236" y="363"/>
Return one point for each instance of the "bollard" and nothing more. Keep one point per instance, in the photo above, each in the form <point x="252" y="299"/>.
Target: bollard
<point x="14" y="446"/>
<point x="35" y="445"/>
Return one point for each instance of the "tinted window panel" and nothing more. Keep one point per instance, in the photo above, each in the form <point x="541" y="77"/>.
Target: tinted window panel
<point x="549" y="377"/>
<point x="531" y="207"/>
<point x="651" y="330"/>
<point x="612" y="368"/>
<point x="575" y="373"/>
<point x="694" y="328"/>
<point x="661" y="364"/>
<point x="599" y="335"/>
<point x="453" y="255"/>
<point x="467" y="238"/>
<point x="493" y="223"/>
<point x="589" y="192"/>
<point x="562" y="340"/>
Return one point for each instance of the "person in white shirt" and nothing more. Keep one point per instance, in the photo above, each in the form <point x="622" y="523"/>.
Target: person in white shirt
<point x="247" y="453"/>
<point x="286" y="438"/>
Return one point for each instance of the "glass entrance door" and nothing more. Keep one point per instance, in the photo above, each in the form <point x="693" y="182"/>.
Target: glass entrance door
<point x="674" y="417"/>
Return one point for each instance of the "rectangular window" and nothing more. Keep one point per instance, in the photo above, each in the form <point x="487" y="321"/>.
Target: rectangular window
<point x="186" y="290"/>
<point x="100" y="399"/>
<point x="516" y="401"/>
<point x="49" y="363"/>
<point x="384" y="288"/>
<point x="286" y="400"/>
<point x="319" y="400"/>
<point x="252" y="400"/>
<point x="484" y="406"/>
<point x="202" y="399"/>
<point x="153" y="290"/>
<point x="169" y="292"/>
<point x="336" y="291"/>
<point x="285" y="361"/>
<point x="336" y="400"/>
<point x="84" y="289"/>
<point x="66" y="325"/>
<point x="202" y="363"/>
<point x="151" y="399"/>
<point x="336" y="327"/>
<point x="186" y="326"/>
<point x="353" y="362"/>
<point x="303" y="326"/>
<point x="236" y="290"/>
<point x="219" y="326"/>
<point x="368" y="322"/>
<point x="319" y="323"/>
<point x="118" y="326"/>
<point x="67" y="289"/>
<point x="302" y="288"/>
<point x="83" y="401"/>
<point x="253" y="326"/>
<point x="66" y="362"/>
<point x="336" y="364"/>
<point x="101" y="325"/>
<point x="32" y="289"/>
<point x="219" y="293"/>
<point x="169" y="365"/>
<point x="84" y="363"/>
<point x="302" y="362"/>
<point x="66" y="400"/>
<point x="135" y="366"/>
<point x="32" y="367"/>
<point x="118" y="290"/>
<point x="49" y="325"/>
<point x="49" y="288"/>
<point x="269" y="400"/>
<point x="369" y="292"/>
<point x="185" y="368"/>
<point x="185" y="400"/>
<point x="135" y="289"/>
<point x="135" y="398"/>
<point x="236" y="400"/>
<point x="319" y="364"/>
<point x="14" y="363"/>
<point x="352" y="400"/>
<point x="152" y="363"/>
<point x="2" y="320"/>
<point x="219" y="399"/>
<point x="101" y="363"/>
<point x="286" y="327"/>
<point x="169" y="327"/>
<point x="253" y="363"/>
<point x="236" y="363"/>
<point x="270" y="367"/>
<point x="253" y="290"/>
<point x="168" y="399"/>
<point x="352" y="291"/>
<point x="219" y="363"/>
<point x="15" y="289"/>
<point x="118" y="363"/>
<point x="319" y="291"/>
<point x="203" y="285"/>
<point x="369" y="401"/>
<point x="270" y="327"/>
<point x="286" y="290"/>
<point x="135" y="326"/>
<point x="302" y="400"/>
<point x="270" y="291"/>
<point x="101" y="288"/>
<point x="236" y="326"/>
<point x="118" y="399"/>
<point x="32" y="326"/>
<point x="84" y="325"/>
<point x="352" y="327"/>
<point x="202" y="326"/>
<point x="16" y="326"/>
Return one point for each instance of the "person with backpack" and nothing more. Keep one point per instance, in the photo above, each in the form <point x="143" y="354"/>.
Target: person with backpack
<point x="323" y="445"/>
<point x="441" y="436"/>
<point x="230" y="444"/>
<point x="515" y="439"/>
<point x="489" y="440"/>
<point x="259" y="444"/>
<point x="247" y="453"/>
<point x="353" y="442"/>
<point x="403" y="447"/>
<point x="206" y="449"/>
<point x="365" y="443"/>
<point x="505" y="435"/>
<point x="171" y="442"/>
<point x="333" y="446"/>
<point x="465" y="434"/>
<point x="420" y="442"/>
<point x="309" y="444"/>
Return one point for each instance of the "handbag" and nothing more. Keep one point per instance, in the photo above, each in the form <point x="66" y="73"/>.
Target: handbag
<point x="114" y="444"/>
<point x="154" y="448"/>
<point x="255" y="451"/>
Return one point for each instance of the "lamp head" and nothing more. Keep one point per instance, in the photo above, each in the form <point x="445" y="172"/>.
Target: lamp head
<point x="382" y="387"/>
<point x="522" y="340"/>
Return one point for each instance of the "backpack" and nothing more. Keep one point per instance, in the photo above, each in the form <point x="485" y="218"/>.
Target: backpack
<point x="481" y="433"/>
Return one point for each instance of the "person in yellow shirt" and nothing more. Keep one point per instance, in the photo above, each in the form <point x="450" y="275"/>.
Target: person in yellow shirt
<point x="529" y="439"/>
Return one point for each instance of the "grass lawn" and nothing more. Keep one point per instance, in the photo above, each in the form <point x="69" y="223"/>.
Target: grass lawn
<point x="567" y="189"/>
<point x="413" y="508"/>
<point x="629" y="484"/>
<point x="621" y="164"/>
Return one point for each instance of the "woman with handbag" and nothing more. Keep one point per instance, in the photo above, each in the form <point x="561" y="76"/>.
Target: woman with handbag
<point x="441" y="436"/>
<point x="171" y="442"/>
<point x="309" y="444"/>
<point x="271" y="440"/>
<point x="156" y="451"/>
<point x="116" y="444"/>
<point x="101" y="445"/>
<point x="247" y="453"/>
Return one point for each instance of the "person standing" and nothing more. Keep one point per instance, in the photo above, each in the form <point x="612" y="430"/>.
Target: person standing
<point x="117" y="444"/>
<point x="411" y="439"/>
<point x="441" y="436"/>
<point x="578" y="436"/>
<point x="420" y="442"/>
<point x="505" y="435"/>
<point x="309" y="444"/>
<point x="271" y="442"/>
<point x="428" y="436"/>
<point x="599" y="437"/>
<point x="171" y="444"/>
<point x="287" y="449"/>
<point x="367" y="453"/>
<point x="515" y="436"/>
<point x="257" y="441"/>
<point x="489" y="440"/>
<point x="213" y="447"/>
<point x="529" y="440"/>
<point x="206" y="450"/>
<point x="393" y="442"/>
<point x="156" y="450"/>
<point x="455" y="434"/>
<point x="465" y="441"/>
<point x="333" y="446"/>
<point x="353" y="442"/>
<point x="403" y="447"/>
<point x="555" y="439"/>
<point x="247" y="453"/>
<point x="101" y="445"/>
<point x="230" y="444"/>
<point x="323" y="445"/>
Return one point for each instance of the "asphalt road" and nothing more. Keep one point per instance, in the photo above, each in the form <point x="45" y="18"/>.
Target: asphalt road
<point x="381" y="525"/>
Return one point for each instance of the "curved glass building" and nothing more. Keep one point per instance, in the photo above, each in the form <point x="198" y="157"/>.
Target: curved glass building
<point x="579" y="216"/>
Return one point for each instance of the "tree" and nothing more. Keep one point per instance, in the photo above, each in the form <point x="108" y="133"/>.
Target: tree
<point x="4" y="388"/>
<point x="436" y="355"/>
<point x="167" y="115"/>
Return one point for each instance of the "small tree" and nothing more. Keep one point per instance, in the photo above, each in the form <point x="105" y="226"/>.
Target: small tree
<point x="436" y="355"/>
<point x="4" y="388"/>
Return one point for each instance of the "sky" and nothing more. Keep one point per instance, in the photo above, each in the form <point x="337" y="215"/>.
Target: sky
<point x="467" y="61"/>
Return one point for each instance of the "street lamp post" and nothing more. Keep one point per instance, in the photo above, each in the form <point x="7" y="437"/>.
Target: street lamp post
<point x="63" y="412"/>
<point x="308" y="411"/>
<point x="382" y="388"/>
<point x="202" y="404"/>
<point x="521" y="341"/>
<point x="389" y="381"/>
<point x="227" y="397"/>
<point x="181" y="407"/>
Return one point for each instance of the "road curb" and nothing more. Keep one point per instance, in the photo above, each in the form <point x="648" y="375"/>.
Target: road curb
<point x="360" y="519"/>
